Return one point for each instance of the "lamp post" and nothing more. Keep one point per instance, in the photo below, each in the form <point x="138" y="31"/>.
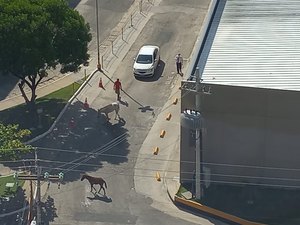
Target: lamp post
<point x="192" y="119"/>
<point x="198" y="138"/>
<point x="97" y="24"/>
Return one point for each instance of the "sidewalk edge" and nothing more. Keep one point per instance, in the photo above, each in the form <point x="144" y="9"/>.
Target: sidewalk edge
<point x="214" y="212"/>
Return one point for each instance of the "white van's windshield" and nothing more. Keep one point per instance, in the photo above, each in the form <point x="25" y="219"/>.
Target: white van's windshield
<point x="144" y="59"/>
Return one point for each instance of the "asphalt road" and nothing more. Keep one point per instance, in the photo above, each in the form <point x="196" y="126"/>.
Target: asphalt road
<point x="110" y="13"/>
<point x="173" y="26"/>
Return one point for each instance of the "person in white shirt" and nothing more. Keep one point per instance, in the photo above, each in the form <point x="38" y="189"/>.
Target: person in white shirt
<point x="179" y="61"/>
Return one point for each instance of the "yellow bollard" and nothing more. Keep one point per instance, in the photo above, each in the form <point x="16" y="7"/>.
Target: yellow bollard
<point x="175" y="101"/>
<point x="157" y="176"/>
<point x="155" y="150"/>
<point x="162" y="133"/>
<point x="169" y="116"/>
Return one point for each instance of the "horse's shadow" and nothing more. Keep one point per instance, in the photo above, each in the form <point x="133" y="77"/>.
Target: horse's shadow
<point x="103" y="198"/>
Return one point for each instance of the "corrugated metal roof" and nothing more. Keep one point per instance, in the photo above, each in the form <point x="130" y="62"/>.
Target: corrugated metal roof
<point x="256" y="44"/>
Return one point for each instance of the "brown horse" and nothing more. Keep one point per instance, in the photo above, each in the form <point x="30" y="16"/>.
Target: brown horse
<point x="95" y="180"/>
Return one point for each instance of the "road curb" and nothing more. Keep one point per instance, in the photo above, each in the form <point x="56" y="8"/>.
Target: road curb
<point x="211" y="211"/>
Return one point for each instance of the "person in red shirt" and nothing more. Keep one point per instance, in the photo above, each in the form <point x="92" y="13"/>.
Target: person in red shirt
<point x="117" y="88"/>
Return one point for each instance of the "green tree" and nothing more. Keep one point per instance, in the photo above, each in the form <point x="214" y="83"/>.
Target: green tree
<point x="11" y="141"/>
<point x="37" y="35"/>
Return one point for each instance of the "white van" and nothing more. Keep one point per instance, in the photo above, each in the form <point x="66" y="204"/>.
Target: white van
<point x="146" y="61"/>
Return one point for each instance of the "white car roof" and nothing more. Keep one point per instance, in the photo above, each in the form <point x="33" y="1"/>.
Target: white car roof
<point x="147" y="49"/>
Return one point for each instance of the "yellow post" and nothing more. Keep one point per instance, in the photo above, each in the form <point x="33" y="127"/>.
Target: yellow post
<point x="169" y="116"/>
<point x="175" y="101"/>
<point x="162" y="133"/>
<point x="157" y="175"/>
<point x="155" y="150"/>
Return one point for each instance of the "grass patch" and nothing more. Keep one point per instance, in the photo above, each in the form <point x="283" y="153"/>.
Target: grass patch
<point x="52" y="104"/>
<point x="4" y="191"/>
<point x="63" y="94"/>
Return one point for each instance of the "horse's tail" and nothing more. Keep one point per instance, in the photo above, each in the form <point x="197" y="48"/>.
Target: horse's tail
<point x="105" y="184"/>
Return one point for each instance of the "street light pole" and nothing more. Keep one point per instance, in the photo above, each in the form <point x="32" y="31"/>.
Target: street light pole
<point x="198" y="137"/>
<point x="38" y="188"/>
<point x="195" y="122"/>
<point x="98" y="44"/>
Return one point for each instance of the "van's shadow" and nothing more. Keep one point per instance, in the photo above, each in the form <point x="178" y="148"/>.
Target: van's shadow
<point x="157" y="74"/>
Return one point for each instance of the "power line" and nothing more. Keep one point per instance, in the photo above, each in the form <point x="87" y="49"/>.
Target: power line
<point x="162" y="170"/>
<point x="172" y="178"/>
<point x="77" y="164"/>
<point x="203" y="180"/>
<point x="159" y="170"/>
<point x="96" y="152"/>
<point x="101" y="150"/>
<point x="14" y="212"/>
<point x="17" y="161"/>
<point x="169" y="160"/>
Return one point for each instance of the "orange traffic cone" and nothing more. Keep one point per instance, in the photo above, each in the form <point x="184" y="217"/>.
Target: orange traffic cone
<point x="100" y="84"/>
<point x="86" y="104"/>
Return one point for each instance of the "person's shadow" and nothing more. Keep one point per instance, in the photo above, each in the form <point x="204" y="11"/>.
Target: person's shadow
<point x="146" y="108"/>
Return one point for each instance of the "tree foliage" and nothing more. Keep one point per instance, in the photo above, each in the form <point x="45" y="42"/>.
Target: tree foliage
<point x="11" y="141"/>
<point x="36" y="35"/>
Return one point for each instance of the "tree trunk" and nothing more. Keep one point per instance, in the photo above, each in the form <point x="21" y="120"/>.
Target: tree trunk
<point x="21" y="87"/>
<point x="30" y="102"/>
<point x="32" y="81"/>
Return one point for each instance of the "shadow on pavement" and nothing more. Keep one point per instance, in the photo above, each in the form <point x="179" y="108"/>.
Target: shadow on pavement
<point x="8" y="83"/>
<point x="9" y="205"/>
<point x="73" y="3"/>
<point x="254" y="203"/>
<point x="81" y="146"/>
<point x="48" y="211"/>
<point x="20" y="115"/>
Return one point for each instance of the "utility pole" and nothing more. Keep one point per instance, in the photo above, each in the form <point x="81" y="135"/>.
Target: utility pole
<point x="196" y="117"/>
<point x="38" y="178"/>
<point x="98" y="42"/>
<point x="29" y="218"/>
<point x="38" y="190"/>
<point x="198" y="137"/>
